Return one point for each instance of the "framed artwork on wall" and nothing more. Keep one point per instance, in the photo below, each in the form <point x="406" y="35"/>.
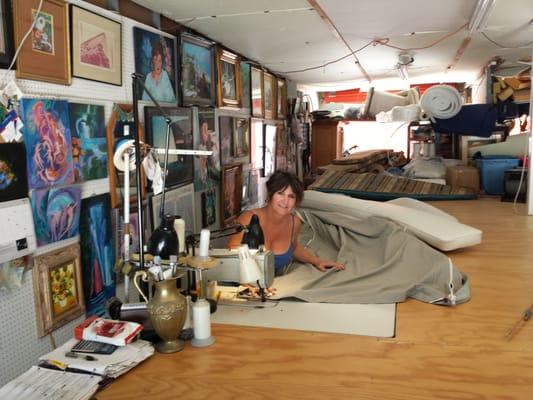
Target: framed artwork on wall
<point x="240" y="140"/>
<point x="47" y="126"/>
<point x="121" y="116"/>
<point x="231" y="197"/>
<point x="6" y="34"/>
<point x="257" y="92"/>
<point x="197" y="71"/>
<point x="89" y="148"/>
<point x="207" y="168"/>
<point x="257" y="144"/>
<point x="229" y="79"/>
<point x="96" y="47"/>
<point x="282" y="145"/>
<point x="58" y="288"/>
<point x="246" y="95"/>
<point x="13" y="183"/>
<point x="281" y="99"/>
<point x="178" y="201"/>
<point x="180" y="168"/>
<point x="155" y="60"/>
<point x="45" y="54"/>
<point x="269" y="150"/>
<point x="209" y="213"/>
<point x="270" y="88"/>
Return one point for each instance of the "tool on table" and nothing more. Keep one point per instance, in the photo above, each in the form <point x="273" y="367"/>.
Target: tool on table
<point x="526" y="316"/>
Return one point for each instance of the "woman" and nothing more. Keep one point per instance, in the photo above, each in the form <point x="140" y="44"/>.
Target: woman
<point x="157" y="81"/>
<point x="280" y="227"/>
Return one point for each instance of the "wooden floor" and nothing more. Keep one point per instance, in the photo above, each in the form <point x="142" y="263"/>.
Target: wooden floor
<point x="438" y="352"/>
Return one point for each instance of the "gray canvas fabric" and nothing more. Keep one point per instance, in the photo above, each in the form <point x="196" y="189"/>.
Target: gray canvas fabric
<point x="384" y="264"/>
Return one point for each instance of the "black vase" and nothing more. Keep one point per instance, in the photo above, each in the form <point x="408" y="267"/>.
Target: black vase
<point x="164" y="239"/>
<point x="254" y="235"/>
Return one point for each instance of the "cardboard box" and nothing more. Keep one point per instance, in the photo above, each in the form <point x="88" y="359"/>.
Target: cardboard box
<point x="463" y="176"/>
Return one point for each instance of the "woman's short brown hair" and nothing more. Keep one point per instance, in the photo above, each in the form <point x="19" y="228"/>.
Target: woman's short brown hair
<point x="281" y="180"/>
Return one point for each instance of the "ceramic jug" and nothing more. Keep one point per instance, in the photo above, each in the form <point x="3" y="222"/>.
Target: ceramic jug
<point x="167" y="309"/>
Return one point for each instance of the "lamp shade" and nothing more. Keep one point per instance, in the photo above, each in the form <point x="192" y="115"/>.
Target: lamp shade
<point x="249" y="270"/>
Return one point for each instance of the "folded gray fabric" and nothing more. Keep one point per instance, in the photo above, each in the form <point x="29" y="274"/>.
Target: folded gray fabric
<point x="384" y="264"/>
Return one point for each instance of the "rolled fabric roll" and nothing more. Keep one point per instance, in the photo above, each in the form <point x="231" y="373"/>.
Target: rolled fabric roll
<point x="121" y="147"/>
<point x="441" y="101"/>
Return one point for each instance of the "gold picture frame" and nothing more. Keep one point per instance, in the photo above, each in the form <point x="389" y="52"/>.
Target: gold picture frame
<point x="96" y="47"/>
<point x="256" y="79"/>
<point x="45" y="53"/>
<point x="231" y="196"/>
<point x="229" y="79"/>
<point x="270" y="88"/>
<point x="281" y="99"/>
<point x="58" y="288"/>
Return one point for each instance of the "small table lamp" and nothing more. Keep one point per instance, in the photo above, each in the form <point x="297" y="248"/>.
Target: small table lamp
<point x="249" y="270"/>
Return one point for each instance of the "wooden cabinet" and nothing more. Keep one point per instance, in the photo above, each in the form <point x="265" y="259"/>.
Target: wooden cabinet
<point x="326" y="142"/>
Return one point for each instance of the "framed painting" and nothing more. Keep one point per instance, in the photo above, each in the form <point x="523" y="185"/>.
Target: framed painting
<point x="229" y="79"/>
<point x="209" y="212"/>
<point x="257" y="144"/>
<point x="44" y="56"/>
<point x="246" y="95"/>
<point x="257" y="92"/>
<point x="281" y="99"/>
<point x="97" y="253"/>
<point x="96" y="47"/>
<point x="47" y="126"/>
<point x="13" y="182"/>
<point x="225" y="126"/>
<point x="230" y="200"/>
<point x="207" y="168"/>
<point x="155" y="61"/>
<point x="180" y="167"/>
<point x="88" y="135"/>
<point x="6" y="34"/>
<point x="197" y="71"/>
<point x="269" y="89"/>
<point x="58" y="289"/>
<point x="56" y="213"/>
<point x="121" y="116"/>
<point x="269" y="150"/>
<point x="281" y="147"/>
<point x="240" y="140"/>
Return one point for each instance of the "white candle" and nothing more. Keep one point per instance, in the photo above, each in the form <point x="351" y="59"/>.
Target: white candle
<point x="204" y="243"/>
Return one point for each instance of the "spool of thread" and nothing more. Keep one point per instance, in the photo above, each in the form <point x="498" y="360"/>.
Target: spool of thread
<point x="201" y="315"/>
<point x="416" y="149"/>
<point x="179" y="227"/>
<point x="204" y="243"/>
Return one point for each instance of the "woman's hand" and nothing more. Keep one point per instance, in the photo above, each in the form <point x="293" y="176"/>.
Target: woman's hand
<point x="323" y="265"/>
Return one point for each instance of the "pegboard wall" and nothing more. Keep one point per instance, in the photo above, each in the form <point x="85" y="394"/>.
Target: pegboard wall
<point x="19" y="345"/>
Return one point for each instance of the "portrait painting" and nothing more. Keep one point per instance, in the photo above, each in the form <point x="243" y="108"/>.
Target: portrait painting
<point x="231" y="193"/>
<point x="281" y="99"/>
<point x="245" y="85"/>
<point x="256" y="144"/>
<point x="155" y="61"/>
<point x="229" y="79"/>
<point x="57" y="288"/>
<point x="45" y="54"/>
<point x="270" y="95"/>
<point x="6" y="34"/>
<point x="180" y="167"/>
<point x="269" y="150"/>
<point x="96" y="47"/>
<point x="257" y="92"/>
<point x="89" y="147"/>
<point x="56" y="213"/>
<point x="48" y="142"/>
<point x="197" y="71"/>
<point x="13" y="182"/>
<point x="97" y="253"/>
<point x="208" y="208"/>
<point x="120" y="122"/>
<point x="240" y="139"/>
<point x="225" y="126"/>
<point x="207" y="168"/>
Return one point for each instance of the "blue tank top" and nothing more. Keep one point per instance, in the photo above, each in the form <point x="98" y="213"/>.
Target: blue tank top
<point x="284" y="259"/>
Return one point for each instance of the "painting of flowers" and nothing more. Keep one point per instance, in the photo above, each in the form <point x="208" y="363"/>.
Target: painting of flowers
<point x="48" y="142"/>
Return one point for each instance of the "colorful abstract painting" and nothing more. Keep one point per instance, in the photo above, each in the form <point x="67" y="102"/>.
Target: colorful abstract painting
<point x="89" y="146"/>
<point x="56" y="213"/>
<point x="48" y="143"/>
<point x="13" y="183"/>
<point x="97" y="253"/>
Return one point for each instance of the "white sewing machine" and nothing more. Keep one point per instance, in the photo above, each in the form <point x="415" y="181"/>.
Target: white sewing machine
<point x="228" y="269"/>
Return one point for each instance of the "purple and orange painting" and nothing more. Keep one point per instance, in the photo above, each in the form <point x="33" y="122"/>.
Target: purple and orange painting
<point x="56" y="213"/>
<point x="48" y="142"/>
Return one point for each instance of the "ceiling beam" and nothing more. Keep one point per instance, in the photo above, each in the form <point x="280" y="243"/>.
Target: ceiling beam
<point x="338" y="35"/>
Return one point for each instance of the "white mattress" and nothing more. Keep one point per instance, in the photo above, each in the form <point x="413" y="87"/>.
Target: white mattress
<point x="428" y="223"/>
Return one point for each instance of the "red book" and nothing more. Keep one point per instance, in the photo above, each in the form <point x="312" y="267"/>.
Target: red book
<point x="119" y="333"/>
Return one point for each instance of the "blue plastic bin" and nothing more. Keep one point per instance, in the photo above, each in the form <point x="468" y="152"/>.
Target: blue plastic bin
<point x="491" y="171"/>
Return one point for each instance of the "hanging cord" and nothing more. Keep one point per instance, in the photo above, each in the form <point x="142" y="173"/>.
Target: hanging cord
<point x="21" y="44"/>
<point x="523" y="46"/>
<point x="451" y="296"/>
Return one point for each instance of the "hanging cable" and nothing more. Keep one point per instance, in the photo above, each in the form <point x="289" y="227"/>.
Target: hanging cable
<point x="524" y="46"/>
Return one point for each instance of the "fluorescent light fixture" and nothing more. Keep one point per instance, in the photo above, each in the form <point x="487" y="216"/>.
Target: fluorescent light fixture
<point x="402" y="70"/>
<point x="479" y="18"/>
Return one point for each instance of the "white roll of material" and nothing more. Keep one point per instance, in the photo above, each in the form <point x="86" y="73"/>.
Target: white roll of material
<point x="441" y="101"/>
<point x="123" y="146"/>
<point x="201" y="316"/>
<point x="179" y="227"/>
<point x="204" y="243"/>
